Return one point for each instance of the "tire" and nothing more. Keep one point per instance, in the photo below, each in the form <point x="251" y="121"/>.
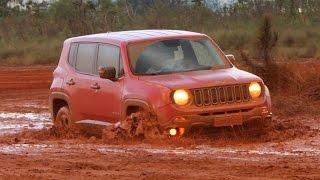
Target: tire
<point x="141" y="124"/>
<point x="63" y="119"/>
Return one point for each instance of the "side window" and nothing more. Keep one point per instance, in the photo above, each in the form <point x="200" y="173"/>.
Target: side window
<point x="72" y="51"/>
<point x="85" y="58"/>
<point x="109" y="56"/>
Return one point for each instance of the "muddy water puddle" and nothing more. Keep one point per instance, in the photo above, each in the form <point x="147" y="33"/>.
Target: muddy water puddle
<point x="240" y="153"/>
<point x="211" y="151"/>
<point x="13" y="122"/>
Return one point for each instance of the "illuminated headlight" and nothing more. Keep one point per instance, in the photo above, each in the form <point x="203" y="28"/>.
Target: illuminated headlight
<point x="181" y="97"/>
<point x="254" y="89"/>
<point x="173" y="132"/>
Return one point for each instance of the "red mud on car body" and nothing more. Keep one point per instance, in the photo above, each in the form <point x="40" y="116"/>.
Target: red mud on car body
<point x="107" y="77"/>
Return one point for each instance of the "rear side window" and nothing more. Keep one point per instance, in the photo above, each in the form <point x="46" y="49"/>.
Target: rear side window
<point x="109" y="56"/>
<point x="71" y="58"/>
<point x="85" y="58"/>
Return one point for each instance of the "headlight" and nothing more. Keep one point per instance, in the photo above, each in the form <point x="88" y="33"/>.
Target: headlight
<point x="254" y="89"/>
<point x="181" y="97"/>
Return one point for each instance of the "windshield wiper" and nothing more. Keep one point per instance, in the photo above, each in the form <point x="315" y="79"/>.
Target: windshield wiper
<point x="197" y="69"/>
<point x="159" y="73"/>
<point x="204" y="68"/>
<point x="171" y="72"/>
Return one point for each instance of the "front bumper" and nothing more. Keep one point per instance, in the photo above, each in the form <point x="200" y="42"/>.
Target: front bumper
<point x="219" y="120"/>
<point x="230" y="115"/>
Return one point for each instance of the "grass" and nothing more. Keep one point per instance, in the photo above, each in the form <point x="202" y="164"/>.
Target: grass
<point x="36" y="50"/>
<point x="296" y="40"/>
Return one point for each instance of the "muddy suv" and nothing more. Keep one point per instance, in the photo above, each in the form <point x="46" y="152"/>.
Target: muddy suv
<point x="182" y="78"/>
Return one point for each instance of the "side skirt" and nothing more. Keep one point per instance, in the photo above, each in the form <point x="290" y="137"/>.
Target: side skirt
<point x="95" y="122"/>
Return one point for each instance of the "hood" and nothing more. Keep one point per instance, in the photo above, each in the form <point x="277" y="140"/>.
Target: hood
<point x="204" y="78"/>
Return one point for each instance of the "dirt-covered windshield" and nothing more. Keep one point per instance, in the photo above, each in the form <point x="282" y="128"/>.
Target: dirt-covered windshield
<point x="178" y="55"/>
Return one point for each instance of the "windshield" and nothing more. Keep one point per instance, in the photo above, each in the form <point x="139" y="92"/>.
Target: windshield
<point x="171" y="56"/>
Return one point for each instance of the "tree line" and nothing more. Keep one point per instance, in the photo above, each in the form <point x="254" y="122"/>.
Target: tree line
<point x="24" y="30"/>
<point x="76" y="17"/>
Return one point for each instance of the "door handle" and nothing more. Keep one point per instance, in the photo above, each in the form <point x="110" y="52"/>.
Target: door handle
<point x="95" y="86"/>
<point x="70" y="82"/>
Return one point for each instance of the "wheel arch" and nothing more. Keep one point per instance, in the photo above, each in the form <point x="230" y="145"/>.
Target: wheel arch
<point x="268" y="98"/>
<point x="134" y="105"/>
<point x="56" y="101"/>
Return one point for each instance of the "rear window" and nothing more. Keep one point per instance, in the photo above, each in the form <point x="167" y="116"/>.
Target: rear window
<point x="85" y="58"/>
<point x="72" y="51"/>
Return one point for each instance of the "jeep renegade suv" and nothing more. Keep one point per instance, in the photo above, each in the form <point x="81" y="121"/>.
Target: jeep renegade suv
<point x="181" y="77"/>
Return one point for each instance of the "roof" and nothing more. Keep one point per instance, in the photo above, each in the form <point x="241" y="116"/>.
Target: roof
<point x="137" y="35"/>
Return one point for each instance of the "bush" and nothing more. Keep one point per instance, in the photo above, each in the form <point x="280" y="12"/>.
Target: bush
<point x="295" y="38"/>
<point x="232" y="39"/>
<point x="266" y="40"/>
<point x="234" y="27"/>
<point x="35" y="51"/>
<point x="310" y="50"/>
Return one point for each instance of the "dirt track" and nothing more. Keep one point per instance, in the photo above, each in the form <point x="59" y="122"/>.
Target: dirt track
<point x="289" y="148"/>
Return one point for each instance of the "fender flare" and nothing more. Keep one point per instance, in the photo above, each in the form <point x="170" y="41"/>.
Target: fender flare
<point x="146" y="106"/>
<point x="268" y="97"/>
<point x="61" y="96"/>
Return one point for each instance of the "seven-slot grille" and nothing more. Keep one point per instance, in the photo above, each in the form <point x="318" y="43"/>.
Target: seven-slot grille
<point x="221" y="95"/>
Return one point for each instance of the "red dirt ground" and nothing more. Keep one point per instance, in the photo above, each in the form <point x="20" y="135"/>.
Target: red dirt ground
<point x="289" y="148"/>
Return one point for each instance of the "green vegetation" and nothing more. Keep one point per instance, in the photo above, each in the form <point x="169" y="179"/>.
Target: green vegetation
<point x="34" y="34"/>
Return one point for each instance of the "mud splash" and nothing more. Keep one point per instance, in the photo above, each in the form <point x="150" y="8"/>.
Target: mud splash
<point x="137" y="125"/>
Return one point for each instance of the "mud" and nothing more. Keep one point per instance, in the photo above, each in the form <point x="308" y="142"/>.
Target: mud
<point x="288" y="147"/>
<point x="138" y="125"/>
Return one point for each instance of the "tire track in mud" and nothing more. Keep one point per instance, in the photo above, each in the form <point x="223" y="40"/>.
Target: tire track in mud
<point x="13" y="78"/>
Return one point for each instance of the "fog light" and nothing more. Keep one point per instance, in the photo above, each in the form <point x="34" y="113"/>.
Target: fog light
<point x="181" y="131"/>
<point x="173" y="132"/>
<point x="265" y="110"/>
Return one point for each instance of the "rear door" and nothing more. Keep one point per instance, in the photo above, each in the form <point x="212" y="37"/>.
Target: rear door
<point x="79" y="80"/>
<point x="108" y="97"/>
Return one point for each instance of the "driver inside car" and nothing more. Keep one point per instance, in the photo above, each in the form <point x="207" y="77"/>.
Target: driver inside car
<point x="166" y="56"/>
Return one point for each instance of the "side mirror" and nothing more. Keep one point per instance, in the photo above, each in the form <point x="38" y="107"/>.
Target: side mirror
<point x="231" y="58"/>
<point x="107" y="72"/>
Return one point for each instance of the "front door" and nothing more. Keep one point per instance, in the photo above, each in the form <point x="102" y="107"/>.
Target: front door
<point x="107" y="100"/>
<point x="107" y="93"/>
<point x="79" y="80"/>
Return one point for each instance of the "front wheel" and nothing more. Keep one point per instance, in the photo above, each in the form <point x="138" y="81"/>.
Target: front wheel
<point x="142" y="124"/>
<point x="63" y="118"/>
